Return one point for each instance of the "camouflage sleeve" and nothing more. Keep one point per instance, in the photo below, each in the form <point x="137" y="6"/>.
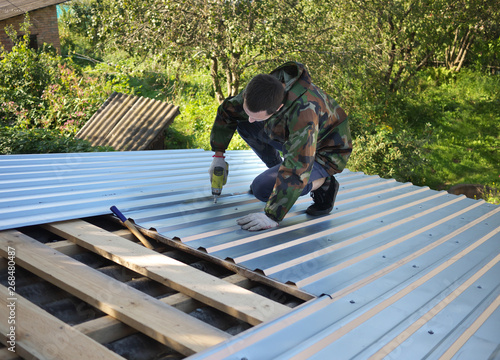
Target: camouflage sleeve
<point x="226" y="120"/>
<point x="335" y="146"/>
<point x="294" y="172"/>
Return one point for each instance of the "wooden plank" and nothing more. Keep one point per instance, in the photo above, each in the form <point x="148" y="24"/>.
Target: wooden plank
<point x="107" y="329"/>
<point x="66" y="247"/>
<point x="148" y="315"/>
<point x="33" y="324"/>
<point x="233" y="300"/>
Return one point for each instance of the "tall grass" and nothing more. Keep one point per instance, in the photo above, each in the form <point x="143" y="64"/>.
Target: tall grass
<point x="463" y="112"/>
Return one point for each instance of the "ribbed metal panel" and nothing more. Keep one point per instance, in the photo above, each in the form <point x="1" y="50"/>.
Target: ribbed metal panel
<point x="36" y="189"/>
<point x="400" y="271"/>
<point x="128" y="122"/>
<point x="410" y="274"/>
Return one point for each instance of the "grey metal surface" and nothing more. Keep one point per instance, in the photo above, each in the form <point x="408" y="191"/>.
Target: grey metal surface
<point x="36" y="189"/>
<point x="429" y="291"/>
<point x="399" y="271"/>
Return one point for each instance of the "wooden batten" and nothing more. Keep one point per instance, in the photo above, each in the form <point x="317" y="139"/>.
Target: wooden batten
<point x="146" y="314"/>
<point x="231" y="299"/>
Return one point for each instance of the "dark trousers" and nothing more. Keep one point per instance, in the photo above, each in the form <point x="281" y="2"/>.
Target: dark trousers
<point x="268" y="151"/>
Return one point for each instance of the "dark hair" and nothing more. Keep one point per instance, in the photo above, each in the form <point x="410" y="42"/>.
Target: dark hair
<point x="264" y="92"/>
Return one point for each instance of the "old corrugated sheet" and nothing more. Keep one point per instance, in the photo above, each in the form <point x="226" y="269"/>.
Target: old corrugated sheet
<point x="13" y="8"/>
<point x="127" y="122"/>
<point x="398" y="271"/>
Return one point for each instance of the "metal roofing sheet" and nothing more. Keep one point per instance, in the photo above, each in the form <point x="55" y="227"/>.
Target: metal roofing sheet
<point x="128" y="122"/>
<point x="35" y="189"/>
<point x="399" y="271"/>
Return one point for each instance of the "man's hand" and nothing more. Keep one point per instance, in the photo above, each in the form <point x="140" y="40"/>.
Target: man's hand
<point x="257" y="221"/>
<point x="216" y="162"/>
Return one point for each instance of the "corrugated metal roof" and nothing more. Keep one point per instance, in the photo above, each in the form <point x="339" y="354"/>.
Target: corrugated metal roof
<point x="10" y="9"/>
<point x="128" y="122"/>
<point x="399" y="271"/>
<point x="36" y="189"/>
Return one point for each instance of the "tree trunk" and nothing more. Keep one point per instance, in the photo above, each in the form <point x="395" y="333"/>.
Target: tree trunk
<point x="214" y="71"/>
<point x="455" y="55"/>
<point x="233" y="75"/>
<point x="392" y="54"/>
<point x="467" y="41"/>
<point x="406" y="58"/>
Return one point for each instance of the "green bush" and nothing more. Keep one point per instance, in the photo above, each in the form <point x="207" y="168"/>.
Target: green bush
<point x="42" y="141"/>
<point x="77" y="95"/>
<point x="390" y="153"/>
<point x="24" y="75"/>
<point x="64" y="97"/>
<point x="191" y="129"/>
<point x="44" y="97"/>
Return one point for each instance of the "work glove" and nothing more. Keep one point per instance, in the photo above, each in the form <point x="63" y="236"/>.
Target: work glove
<point x="219" y="161"/>
<point x="256" y="221"/>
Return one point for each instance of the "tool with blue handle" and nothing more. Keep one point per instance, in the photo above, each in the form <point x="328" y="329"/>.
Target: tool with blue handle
<point x="131" y="227"/>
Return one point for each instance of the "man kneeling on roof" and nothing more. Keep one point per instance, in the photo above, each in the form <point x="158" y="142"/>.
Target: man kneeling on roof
<point x="285" y="112"/>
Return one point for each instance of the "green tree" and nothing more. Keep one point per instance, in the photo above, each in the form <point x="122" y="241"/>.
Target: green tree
<point x="40" y="89"/>
<point x="473" y="25"/>
<point x="398" y="38"/>
<point x="24" y="75"/>
<point x="78" y="27"/>
<point x="227" y="37"/>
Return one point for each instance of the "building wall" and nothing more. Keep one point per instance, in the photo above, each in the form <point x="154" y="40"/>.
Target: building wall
<point x="44" y="27"/>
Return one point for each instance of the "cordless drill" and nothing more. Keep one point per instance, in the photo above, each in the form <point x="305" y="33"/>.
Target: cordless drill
<point x="219" y="179"/>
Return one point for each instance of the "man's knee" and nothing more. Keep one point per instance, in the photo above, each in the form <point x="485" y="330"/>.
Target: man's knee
<point x="260" y="190"/>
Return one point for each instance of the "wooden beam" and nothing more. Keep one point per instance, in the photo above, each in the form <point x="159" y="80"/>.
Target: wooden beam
<point x="231" y="299"/>
<point x="41" y="335"/>
<point x="148" y="315"/>
<point x="66" y="247"/>
<point x="107" y="329"/>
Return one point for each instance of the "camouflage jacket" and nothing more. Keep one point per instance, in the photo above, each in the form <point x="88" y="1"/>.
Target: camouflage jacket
<point x="310" y="125"/>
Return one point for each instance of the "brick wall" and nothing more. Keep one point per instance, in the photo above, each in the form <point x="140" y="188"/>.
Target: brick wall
<point x="44" y="27"/>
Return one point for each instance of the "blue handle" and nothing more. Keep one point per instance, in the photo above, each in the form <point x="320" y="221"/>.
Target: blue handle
<point x="118" y="213"/>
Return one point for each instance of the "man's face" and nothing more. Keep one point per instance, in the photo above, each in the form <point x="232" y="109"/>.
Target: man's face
<point x="257" y="116"/>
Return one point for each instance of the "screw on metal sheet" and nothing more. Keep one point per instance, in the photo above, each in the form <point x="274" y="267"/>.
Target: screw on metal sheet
<point x="383" y="256"/>
<point x="352" y="302"/>
<point x="431" y="332"/>
<point x="415" y="266"/>
<point x="479" y="287"/>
